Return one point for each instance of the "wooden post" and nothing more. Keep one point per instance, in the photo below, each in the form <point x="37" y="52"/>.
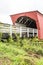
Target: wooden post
<point x="37" y="32"/>
<point x="27" y="32"/>
<point x="33" y="32"/>
<point x="20" y="31"/>
<point x="11" y="30"/>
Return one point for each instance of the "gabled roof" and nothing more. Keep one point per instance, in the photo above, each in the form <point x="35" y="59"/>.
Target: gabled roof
<point x="31" y="14"/>
<point x="27" y="12"/>
<point x="36" y="15"/>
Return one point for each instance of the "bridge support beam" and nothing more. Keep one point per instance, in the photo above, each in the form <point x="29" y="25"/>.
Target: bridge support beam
<point x="33" y="32"/>
<point x="27" y="32"/>
<point x="20" y="31"/>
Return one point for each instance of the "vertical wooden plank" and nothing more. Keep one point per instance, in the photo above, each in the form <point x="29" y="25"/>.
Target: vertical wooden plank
<point x="27" y="32"/>
<point x="20" y="31"/>
<point x="33" y="32"/>
<point x="11" y="30"/>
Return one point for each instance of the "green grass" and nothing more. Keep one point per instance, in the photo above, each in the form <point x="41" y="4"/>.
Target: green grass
<point x="22" y="52"/>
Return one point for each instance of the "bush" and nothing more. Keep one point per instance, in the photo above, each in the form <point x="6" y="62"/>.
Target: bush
<point x="39" y="52"/>
<point x="0" y="36"/>
<point x="14" y="37"/>
<point x="5" y="37"/>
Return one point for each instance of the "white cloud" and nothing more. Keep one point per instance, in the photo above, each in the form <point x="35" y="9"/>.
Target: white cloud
<point x="39" y="5"/>
<point x="8" y="7"/>
<point x="18" y="6"/>
<point x="5" y="19"/>
<point x="4" y="7"/>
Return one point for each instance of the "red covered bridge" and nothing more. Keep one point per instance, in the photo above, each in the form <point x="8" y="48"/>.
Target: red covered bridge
<point x="33" y="19"/>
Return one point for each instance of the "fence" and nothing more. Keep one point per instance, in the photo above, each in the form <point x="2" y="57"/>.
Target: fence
<point x="17" y="29"/>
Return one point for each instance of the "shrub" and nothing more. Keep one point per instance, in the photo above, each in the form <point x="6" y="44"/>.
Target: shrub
<point x="14" y="37"/>
<point x="0" y="36"/>
<point x="5" y="37"/>
<point x="39" y="52"/>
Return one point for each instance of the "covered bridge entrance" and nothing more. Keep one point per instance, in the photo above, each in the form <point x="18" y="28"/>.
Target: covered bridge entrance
<point x="27" y="26"/>
<point x="30" y="22"/>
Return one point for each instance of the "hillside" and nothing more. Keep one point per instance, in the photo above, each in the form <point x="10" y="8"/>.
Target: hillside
<point x="21" y="52"/>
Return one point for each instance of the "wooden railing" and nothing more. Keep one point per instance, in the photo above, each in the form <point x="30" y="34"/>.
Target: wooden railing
<point x="18" y="29"/>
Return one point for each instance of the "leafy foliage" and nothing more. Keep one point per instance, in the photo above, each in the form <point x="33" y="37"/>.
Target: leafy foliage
<point x="23" y="51"/>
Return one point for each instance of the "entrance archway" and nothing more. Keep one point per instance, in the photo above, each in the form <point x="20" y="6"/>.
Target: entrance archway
<point x="30" y="29"/>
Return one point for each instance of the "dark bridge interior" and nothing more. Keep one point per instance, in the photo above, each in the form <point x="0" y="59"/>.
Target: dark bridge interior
<point x="27" y="21"/>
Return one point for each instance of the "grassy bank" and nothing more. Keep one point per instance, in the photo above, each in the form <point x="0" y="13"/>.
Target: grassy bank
<point x="22" y="52"/>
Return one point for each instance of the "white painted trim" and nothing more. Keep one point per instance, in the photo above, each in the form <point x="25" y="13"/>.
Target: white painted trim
<point x="33" y="32"/>
<point x="20" y="31"/>
<point x="27" y="32"/>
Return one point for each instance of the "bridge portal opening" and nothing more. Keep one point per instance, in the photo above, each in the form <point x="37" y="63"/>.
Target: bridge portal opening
<point x="27" y="26"/>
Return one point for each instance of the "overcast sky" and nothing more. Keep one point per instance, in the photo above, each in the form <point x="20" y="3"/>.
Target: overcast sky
<point x="8" y="7"/>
